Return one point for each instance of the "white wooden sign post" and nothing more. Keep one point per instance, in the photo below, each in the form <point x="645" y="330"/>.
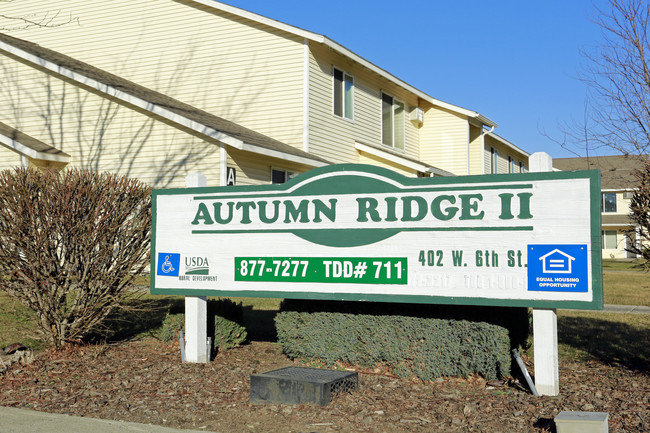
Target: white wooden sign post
<point x="358" y="232"/>
<point x="196" y="307"/>
<point x="547" y="379"/>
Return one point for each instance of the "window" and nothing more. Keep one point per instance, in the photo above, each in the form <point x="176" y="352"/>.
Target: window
<point x="392" y="121"/>
<point x="343" y="94"/>
<point x="511" y="165"/>
<point x="281" y="176"/>
<point x="609" y="239"/>
<point x="608" y="203"/>
<point x="522" y="167"/>
<point x="494" y="161"/>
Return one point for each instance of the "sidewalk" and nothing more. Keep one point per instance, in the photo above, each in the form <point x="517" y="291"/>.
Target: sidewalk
<point x="14" y="420"/>
<point x="634" y="309"/>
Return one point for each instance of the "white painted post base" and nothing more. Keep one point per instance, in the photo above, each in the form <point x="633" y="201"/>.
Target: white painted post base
<point x="196" y="307"/>
<point x="196" y="329"/>
<point x="547" y="376"/>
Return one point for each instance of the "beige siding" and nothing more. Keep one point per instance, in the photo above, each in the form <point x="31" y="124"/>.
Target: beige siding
<point x="101" y="135"/>
<point x="333" y="137"/>
<point x="503" y="152"/>
<point x="444" y="139"/>
<point x="8" y="158"/>
<point x="475" y="150"/>
<point x="256" y="169"/>
<point x="245" y="72"/>
<point x="366" y="158"/>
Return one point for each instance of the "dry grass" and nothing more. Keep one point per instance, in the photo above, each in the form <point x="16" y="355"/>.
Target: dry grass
<point x="627" y="288"/>
<point x="615" y="338"/>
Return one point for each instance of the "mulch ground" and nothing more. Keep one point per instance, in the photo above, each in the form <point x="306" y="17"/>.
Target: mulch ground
<point x="144" y="381"/>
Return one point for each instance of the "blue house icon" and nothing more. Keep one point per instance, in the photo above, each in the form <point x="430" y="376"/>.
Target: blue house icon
<point x="556" y="262"/>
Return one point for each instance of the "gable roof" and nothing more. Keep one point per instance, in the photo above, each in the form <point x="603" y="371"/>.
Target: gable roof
<point x="507" y="143"/>
<point x="324" y="40"/>
<point x="617" y="171"/>
<point x="401" y="159"/>
<point x="29" y="146"/>
<point x="179" y="114"/>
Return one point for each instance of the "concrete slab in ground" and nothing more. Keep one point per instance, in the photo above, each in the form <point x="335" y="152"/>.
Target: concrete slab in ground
<point x="29" y="421"/>
<point x="635" y="309"/>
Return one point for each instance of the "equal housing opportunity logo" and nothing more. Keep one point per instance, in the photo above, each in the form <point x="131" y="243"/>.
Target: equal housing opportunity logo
<point x="558" y="268"/>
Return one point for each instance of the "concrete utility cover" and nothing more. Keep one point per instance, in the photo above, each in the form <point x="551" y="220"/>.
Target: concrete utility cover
<point x="299" y="385"/>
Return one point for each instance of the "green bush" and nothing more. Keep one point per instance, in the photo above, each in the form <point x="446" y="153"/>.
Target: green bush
<point x="411" y="346"/>
<point x="228" y="334"/>
<point x="170" y="327"/>
<point x="515" y="319"/>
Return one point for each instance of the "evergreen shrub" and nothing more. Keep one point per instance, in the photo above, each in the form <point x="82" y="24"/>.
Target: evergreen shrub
<point x="517" y="320"/>
<point x="412" y="346"/>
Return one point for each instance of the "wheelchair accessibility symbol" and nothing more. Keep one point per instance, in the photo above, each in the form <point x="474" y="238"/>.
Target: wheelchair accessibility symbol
<point x="168" y="264"/>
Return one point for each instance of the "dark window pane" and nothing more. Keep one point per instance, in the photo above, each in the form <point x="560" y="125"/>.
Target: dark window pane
<point x="387" y="120"/>
<point x="278" y="176"/>
<point x="338" y="92"/>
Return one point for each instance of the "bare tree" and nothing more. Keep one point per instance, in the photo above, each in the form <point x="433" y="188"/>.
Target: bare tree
<point x="617" y="104"/>
<point x="47" y="18"/>
<point x="617" y="75"/>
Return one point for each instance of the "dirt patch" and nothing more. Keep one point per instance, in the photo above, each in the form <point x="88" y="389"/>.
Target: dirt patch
<point x="144" y="381"/>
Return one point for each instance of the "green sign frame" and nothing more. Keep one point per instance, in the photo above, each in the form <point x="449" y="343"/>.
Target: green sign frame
<point x="350" y="217"/>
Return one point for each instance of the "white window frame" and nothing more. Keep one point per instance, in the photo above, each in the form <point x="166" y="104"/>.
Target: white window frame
<point x="608" y="234"/>
<point x="494" y="161"/>
<point x="345" y="112"/>
<point x="602" y="203"/>
<point x="288" y="175"/>
<point x="511" y="164"/>
<point x="401" y="135"/>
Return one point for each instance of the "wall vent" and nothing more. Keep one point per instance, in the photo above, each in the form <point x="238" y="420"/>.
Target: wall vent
<point x="417" y="115"/>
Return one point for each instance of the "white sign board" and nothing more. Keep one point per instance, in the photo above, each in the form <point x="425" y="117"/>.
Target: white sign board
<point x="358" y="232"/>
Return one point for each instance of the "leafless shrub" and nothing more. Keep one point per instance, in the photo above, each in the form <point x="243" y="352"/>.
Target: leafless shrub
<point x="70" y="244"/>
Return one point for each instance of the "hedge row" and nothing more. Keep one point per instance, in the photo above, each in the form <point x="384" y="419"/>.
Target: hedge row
<point x="423" y="347"/>
<point x="517" y="320"/>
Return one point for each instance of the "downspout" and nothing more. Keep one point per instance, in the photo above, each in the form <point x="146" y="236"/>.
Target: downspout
<point x="483" y="134"/>
<point x="469" y="136"/>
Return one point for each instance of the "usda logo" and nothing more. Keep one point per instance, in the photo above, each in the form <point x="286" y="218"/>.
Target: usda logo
<point x="197" y="266"/>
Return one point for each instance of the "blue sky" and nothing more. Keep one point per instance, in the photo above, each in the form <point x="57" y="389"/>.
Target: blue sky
<point x="515" y="62"/>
